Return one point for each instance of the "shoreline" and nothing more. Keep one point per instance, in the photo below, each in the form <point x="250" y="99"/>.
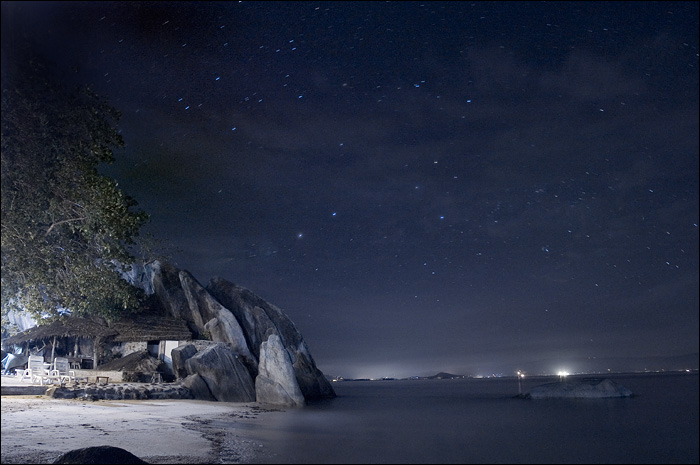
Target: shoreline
<point x="38" y="429"/>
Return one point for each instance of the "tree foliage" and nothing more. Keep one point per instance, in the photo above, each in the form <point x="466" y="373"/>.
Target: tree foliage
<point x="65" y="227"/>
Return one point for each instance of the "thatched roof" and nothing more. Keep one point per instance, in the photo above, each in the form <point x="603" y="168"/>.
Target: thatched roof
<point x="136" y="328"/>
<point x="61" y="327"/>
<point x="150" y="327"/>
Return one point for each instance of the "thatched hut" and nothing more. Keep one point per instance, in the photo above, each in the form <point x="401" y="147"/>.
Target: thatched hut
<point x="86" y="341"/>
<point x="81" y="339"/>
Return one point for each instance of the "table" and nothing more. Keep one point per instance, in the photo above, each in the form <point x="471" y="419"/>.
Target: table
<point x="76" y="363"/>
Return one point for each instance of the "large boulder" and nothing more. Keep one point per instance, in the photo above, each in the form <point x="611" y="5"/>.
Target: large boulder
<point x="312" y="381"/>
<point x="225" y="375"/>
<point x="171" y="296"/>
<point x="198" y="387"/>
<point x="276" y="382"/>
<point x="179" y="356"/>
<point x="260" y="319"/>
<point x="218" y="320"/>
<point x="585" y="388"/>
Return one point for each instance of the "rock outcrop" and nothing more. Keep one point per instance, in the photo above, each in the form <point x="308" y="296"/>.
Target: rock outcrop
<point x="137" y="366"/>
<point x="260" y="319"/>
<point x="276" y="382"/>
<point x="243" y="323"/>
<point x="217" y="320"/>
<point x="224" y="373"/>
<point x="179" y="355"/>
<point x="198" y="387"/>
<point x="585" y="388"/>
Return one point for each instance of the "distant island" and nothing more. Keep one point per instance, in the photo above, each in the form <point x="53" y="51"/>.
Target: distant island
<point x="441" y="375"/>
<point x="598" y="366"/>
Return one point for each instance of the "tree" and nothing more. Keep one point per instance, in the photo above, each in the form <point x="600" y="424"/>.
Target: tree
<point x="66" y="229"/>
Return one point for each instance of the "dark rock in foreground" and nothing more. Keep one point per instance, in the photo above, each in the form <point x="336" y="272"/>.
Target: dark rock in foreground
<point x="585" y="388"/>
<point x="99" y="454"/>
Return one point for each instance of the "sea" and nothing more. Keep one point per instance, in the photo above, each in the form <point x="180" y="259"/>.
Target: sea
<point x="482" y="421"/>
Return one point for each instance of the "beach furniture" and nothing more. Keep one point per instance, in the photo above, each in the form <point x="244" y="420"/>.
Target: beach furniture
<point x="61" y="372"/>
<point x="24" y="374"/>
<point x="36" y="371"/>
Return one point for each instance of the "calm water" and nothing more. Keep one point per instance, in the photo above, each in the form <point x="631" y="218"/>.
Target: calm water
<point x="478" y="421"/>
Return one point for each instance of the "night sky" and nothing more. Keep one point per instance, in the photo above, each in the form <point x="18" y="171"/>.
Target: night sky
<point x="470" y="187"/>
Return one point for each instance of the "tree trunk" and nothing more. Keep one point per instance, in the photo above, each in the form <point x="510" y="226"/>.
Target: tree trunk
<point x="53" y="349"/>
<point x="95" y="350"/>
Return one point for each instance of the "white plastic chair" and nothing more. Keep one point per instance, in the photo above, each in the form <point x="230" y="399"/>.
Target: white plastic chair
<point x="35" y="371"/>
<point x="24" y="374"/>
<point x="61" y="371"/>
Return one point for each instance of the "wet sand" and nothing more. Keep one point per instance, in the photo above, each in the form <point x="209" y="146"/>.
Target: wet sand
<point x="38" y="429"/>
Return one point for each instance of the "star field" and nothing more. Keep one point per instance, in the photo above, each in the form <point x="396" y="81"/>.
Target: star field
<point x="442" y="186"/>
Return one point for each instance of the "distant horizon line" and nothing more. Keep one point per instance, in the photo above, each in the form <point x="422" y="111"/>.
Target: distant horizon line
<point x="445" y="375"/>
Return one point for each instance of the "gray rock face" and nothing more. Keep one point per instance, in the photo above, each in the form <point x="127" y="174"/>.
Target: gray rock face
<point x="22" y="319"/>
<point x="224" y="373"/>
<point x="586" y="388"/>
<point x="179" y="356"/>
<point x="198" y="387"/>
<point x="219" y="321"/>
<point x="276" y="382"/>
<point x="259" y="320"/>
<point x="168" y="288"/>
<point x="141" y="275"/>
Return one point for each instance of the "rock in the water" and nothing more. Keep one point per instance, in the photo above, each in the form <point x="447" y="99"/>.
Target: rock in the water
<point x="276" y="382"/>
<point x="99" y="454"/>
<point x="585" y="388"/>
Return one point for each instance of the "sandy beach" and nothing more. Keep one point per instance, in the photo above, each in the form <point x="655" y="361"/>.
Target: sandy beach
<point x="38" y="429"/>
